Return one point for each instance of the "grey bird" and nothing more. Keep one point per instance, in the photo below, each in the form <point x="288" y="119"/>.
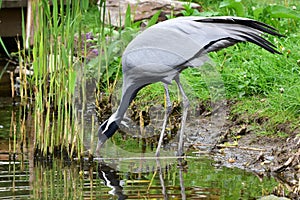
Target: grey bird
<point x="161" y="52"/>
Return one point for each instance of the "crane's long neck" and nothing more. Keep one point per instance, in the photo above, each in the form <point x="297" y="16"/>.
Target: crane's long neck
<point x="110" y="126"/>
<point x="128" y="95"/>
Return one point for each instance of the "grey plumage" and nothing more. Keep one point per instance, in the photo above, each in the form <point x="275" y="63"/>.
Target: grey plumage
<point x="162" y="51"/>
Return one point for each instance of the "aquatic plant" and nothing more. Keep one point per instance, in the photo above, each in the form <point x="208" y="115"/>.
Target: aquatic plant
<point x="55" y="63"/>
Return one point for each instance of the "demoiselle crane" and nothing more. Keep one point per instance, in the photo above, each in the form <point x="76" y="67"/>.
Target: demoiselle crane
<point x="162" y="51"/>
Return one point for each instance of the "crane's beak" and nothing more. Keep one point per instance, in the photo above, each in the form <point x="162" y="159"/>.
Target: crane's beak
<point x="99" y="145"/>
<point x="101" y="140"/>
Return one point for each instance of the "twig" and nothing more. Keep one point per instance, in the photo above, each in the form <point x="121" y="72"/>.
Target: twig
<point x="232" y="146"/>
<point x="285" y="165"/>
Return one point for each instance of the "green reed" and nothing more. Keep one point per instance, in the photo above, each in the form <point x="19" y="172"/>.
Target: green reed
<point x="55" y="58"/>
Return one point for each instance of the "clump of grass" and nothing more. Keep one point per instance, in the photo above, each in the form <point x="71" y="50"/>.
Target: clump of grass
<point x="51" y="89"/>
<point x="264" y="84"/>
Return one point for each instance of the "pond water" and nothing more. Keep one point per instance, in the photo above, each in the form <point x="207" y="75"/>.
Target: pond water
<point x="199" y="179"/>
<point x="140" y="177"/>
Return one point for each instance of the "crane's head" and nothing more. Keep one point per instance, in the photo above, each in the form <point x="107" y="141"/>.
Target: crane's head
<point x="106" y="130"/>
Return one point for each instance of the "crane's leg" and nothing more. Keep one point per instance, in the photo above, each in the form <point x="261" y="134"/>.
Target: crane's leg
<point x="186" y="104"/>
<point x="166" y="116"/>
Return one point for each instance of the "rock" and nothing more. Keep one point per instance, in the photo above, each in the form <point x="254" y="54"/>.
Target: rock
<point x="273" y="197"/>
<point x="143" y="9"/>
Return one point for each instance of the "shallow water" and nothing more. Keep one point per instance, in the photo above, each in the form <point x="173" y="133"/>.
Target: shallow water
<point x="199" y="179"/>
<point x="119" y="174"/>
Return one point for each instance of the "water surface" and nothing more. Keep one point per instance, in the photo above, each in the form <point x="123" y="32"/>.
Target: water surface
<point x="199" y="179"/>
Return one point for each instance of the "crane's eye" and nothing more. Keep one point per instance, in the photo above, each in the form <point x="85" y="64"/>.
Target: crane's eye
<point x="102" y="127"/>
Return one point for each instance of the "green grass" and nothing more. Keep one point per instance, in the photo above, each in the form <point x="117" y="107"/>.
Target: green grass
<point x="265" y="85"/>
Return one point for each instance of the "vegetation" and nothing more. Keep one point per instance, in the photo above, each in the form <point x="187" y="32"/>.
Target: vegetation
<point x="50" y="91"/>
<point x="265" y="86"/>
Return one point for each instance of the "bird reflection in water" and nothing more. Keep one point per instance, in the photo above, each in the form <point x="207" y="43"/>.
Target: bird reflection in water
<point x="114" y="180"/>
<point x="111" y="179"/>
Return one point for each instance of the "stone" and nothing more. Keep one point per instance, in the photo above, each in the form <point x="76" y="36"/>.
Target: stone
<point x="273" y="197"/>
<point x="143" y="9"/>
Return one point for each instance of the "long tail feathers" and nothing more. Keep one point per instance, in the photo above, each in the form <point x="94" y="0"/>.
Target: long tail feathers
<point x="248" y="36"/>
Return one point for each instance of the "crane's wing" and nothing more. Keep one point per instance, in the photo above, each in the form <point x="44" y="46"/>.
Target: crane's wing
<point x="185" y="41"/>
